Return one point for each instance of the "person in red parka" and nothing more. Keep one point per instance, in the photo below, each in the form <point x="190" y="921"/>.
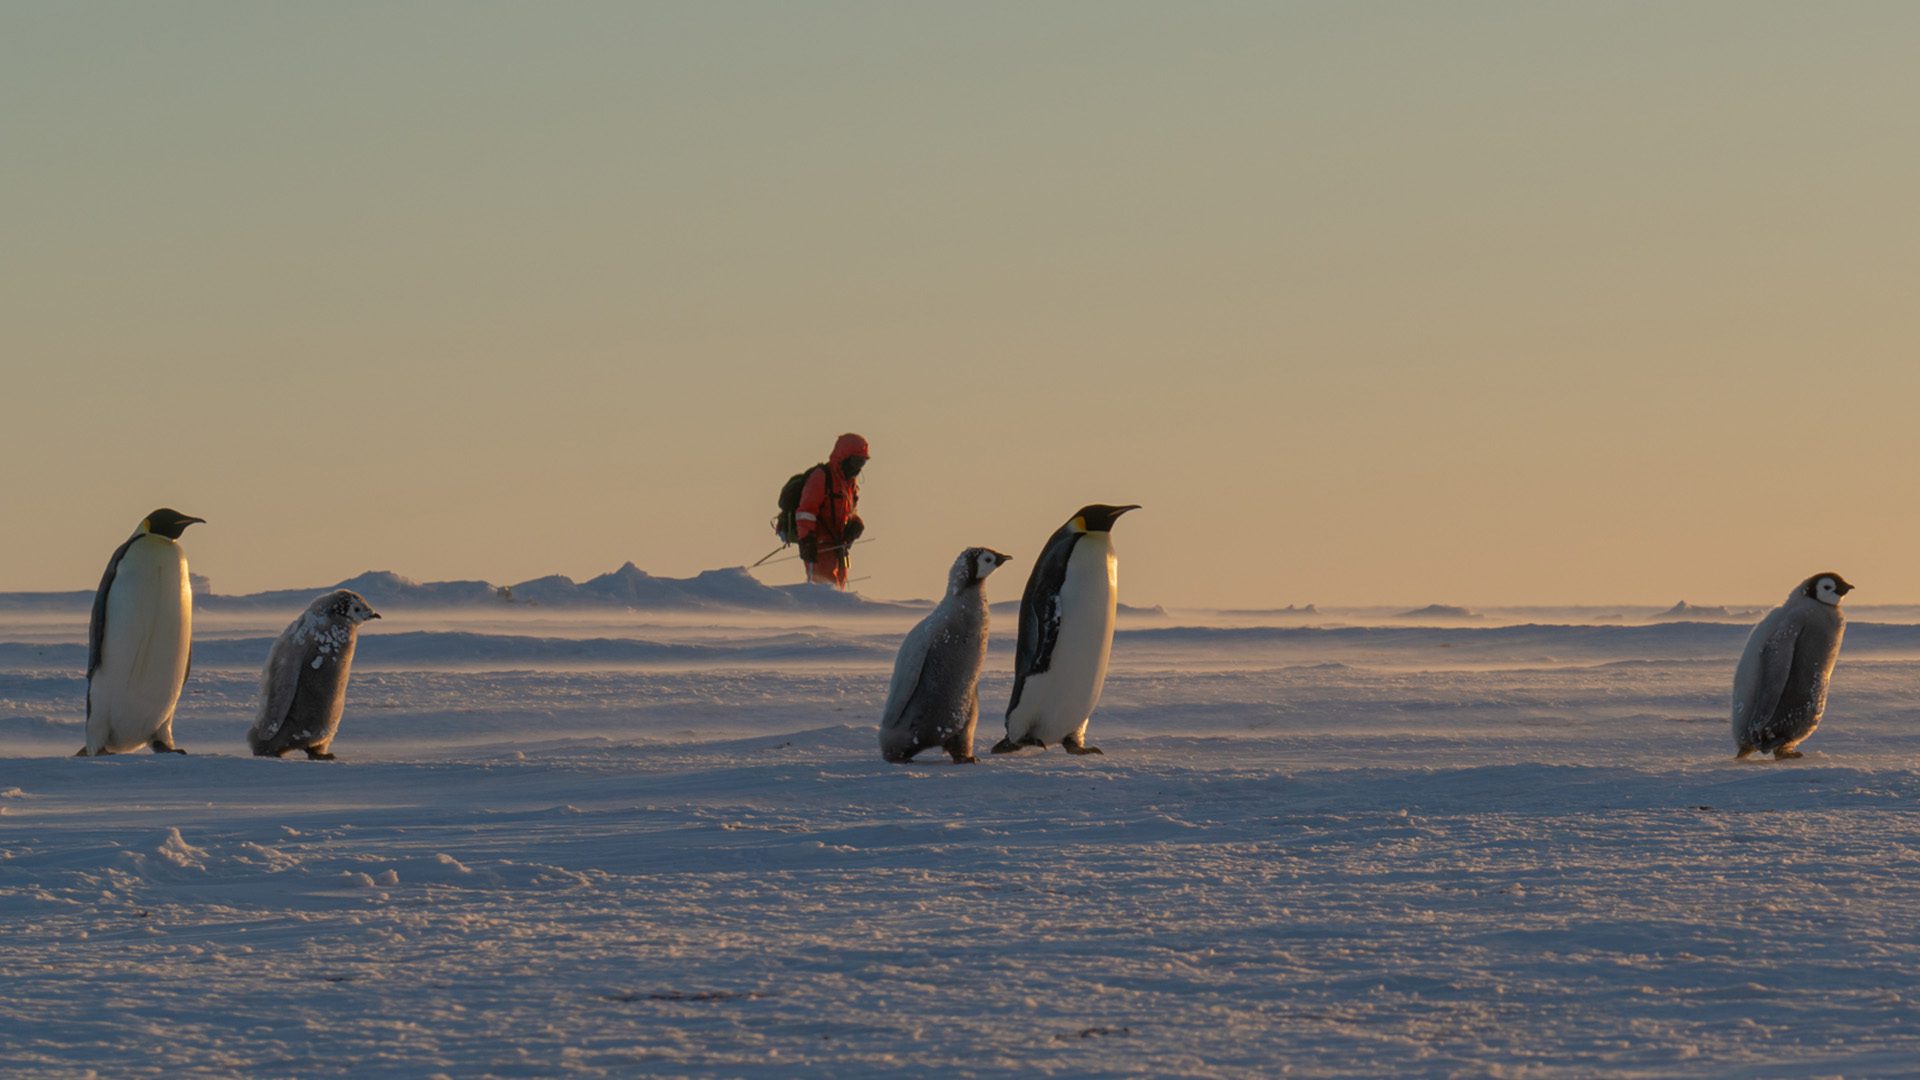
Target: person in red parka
<point x="828" y="521"/>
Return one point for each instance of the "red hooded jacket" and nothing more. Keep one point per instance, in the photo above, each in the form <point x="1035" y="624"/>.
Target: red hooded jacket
<point x="828" y="504"/>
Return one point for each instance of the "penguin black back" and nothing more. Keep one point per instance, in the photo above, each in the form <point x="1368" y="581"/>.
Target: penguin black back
<point x="97" y="622"/>
<point x="1040" y="608"/>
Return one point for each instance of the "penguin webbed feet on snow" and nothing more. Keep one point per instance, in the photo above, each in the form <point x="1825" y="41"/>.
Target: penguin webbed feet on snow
<point x="1784" y="754"/>
<point x="159" y="747"/>
<point x="319" y="755"/>
<point x="1008" y="746"/>
<point x="1742" y="752"/>
<point x="1072" y="744"/>
<point x="84" y="752"/>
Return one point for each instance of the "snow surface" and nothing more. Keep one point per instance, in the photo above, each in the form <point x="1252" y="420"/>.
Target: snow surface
<point x="621" y="845"/>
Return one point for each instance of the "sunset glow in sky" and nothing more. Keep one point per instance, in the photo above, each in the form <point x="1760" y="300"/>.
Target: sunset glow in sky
<point x="1382" y="303"/>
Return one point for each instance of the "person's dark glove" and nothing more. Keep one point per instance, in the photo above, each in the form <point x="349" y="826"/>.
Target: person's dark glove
<point x="809" y="548"/>
<point x="854" y="528"/>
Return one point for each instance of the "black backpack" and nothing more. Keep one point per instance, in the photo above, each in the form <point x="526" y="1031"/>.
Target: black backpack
<point x="784" y="525"/>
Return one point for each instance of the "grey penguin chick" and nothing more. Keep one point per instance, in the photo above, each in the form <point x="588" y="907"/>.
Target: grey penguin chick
<point x="934" y="698"/>
<point x="303" y="688"/>
<point x="1780" y="687"/>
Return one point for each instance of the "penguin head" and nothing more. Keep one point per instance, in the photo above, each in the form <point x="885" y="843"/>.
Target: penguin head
<point x="347" y="606"/>
<point x="167" y="523"/>
<point x="973" y="566"/>
<point x="1097" y="517"/>
<point x="1826" y="588"/>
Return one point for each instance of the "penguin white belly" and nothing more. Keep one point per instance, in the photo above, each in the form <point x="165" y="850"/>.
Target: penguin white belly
<point x="1057" y="702"/>
<point x="143" y="654"/>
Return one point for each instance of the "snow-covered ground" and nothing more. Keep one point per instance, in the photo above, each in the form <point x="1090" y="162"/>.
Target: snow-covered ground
<point x="610" y="844"/>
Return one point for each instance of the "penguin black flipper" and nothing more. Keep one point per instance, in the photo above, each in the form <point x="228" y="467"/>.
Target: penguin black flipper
<point x="1040" y="611"/>
<point x="97" y="622"/>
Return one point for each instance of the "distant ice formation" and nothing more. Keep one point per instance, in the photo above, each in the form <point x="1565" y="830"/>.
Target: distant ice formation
<point x="1439" y="611"/>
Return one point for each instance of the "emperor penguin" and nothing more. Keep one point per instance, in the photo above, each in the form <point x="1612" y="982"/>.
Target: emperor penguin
<point x="140" y="640"/>
<point x="303" y="688"/>
<point x="1780" y="688"/>
<point x="934" y="699"/>
<point x="1066" y="634"/>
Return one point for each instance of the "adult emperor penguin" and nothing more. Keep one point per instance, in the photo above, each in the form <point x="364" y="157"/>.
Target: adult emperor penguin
<point x="1780" y="688"/>
<point x="1066" y="634"/>
<point x="140" y="640"/>
<point x="303" y="688"/>
<point x="934" y="699"/>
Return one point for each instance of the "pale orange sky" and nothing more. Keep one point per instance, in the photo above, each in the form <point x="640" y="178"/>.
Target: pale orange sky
<point x="1382" y="303"/>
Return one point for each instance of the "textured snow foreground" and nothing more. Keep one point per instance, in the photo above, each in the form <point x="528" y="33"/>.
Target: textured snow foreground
<point x="1522" y="851"/>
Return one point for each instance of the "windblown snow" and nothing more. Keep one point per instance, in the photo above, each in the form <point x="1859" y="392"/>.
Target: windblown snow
<point x="612" y="842"/>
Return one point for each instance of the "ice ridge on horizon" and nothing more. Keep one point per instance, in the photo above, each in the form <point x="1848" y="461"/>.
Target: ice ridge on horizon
<point x="626" y="587"/>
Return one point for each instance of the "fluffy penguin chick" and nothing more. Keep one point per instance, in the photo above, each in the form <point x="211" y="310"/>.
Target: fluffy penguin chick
<point x="1780" y="688"/>
<point x="140" y="640"/>
<point x="304" y="686"/>
<point x="933" y="699"/>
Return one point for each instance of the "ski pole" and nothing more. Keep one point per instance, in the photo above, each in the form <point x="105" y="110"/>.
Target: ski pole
<point x="769" y="555"/>
<point x="770" y="560"/>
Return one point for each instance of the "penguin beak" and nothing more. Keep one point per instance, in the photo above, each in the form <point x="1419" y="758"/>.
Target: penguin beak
<point x="192" y="521"/>
<point x="375" y="615"/>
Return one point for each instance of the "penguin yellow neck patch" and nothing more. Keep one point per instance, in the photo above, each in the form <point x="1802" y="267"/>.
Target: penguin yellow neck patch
<point x="1079" y="524"/>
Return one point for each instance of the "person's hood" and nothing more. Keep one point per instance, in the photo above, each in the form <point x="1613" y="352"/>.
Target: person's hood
<point x="849" y="445"/>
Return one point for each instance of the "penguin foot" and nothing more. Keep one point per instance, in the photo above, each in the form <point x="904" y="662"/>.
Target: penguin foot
<point x="318" y="755"/>
<point x="159" y="747"/>
<point x="1783" y="754"/>
<point x="1078" y="744"/>
<point x="965" y="759"/>
<point x="1744" y="751"/>
<point x="1004" y="746"/>
<point x="84" y="752"/>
